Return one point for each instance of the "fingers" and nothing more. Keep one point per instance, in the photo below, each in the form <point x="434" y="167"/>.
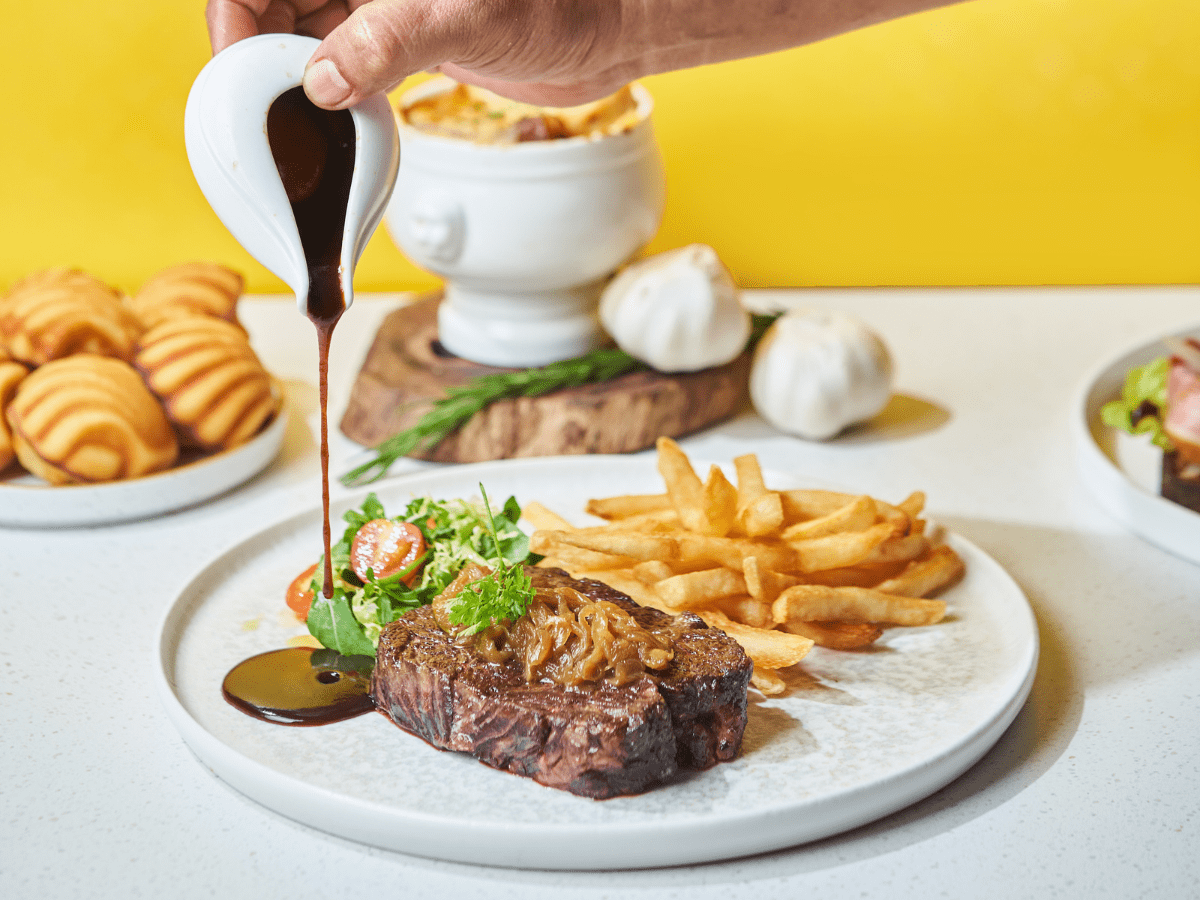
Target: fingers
<point x="278" y="18"/>
<point x="321" y="22"/>
<point x="380" y="44"/>
<point x="230" y="21"/>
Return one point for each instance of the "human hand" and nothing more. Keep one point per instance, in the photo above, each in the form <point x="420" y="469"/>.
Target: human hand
<point x="549" y="52"/>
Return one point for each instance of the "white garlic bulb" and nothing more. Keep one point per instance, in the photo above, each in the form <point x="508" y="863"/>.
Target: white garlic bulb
<point x="678" y="311"/>
<point x="814" y="373"/>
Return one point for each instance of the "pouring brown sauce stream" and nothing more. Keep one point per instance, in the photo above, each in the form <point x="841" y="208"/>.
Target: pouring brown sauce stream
<point x="313" y="150"/>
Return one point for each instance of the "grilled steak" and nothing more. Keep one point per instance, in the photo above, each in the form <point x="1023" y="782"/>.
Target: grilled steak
<point x="597" y="742"/>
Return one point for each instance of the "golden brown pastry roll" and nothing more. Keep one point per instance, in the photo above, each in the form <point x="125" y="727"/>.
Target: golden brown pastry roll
<point x="202" y="288"/>
<point x="58" y="312"/>
<point x="212" y="385"/>
<point x="11" y="373"/>
<point x="89" y="418"/>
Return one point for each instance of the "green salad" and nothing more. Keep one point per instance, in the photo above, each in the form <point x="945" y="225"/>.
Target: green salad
<point x="1143" y="401"/>
<point x="403" y="562"/>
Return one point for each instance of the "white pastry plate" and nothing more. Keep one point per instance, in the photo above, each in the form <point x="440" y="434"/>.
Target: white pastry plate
<point x="860" y="735"/>
<point x="29" y="502"/>
<point x="1122" y="471"/>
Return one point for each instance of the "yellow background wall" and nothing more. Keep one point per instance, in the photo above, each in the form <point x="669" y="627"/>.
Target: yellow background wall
<point x="998" y="142"/>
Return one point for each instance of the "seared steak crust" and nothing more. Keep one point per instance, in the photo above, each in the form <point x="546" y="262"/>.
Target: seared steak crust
<point x="597" y="743"/>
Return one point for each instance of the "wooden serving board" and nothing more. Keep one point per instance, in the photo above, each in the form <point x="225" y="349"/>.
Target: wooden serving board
<point x="406" y="370"/>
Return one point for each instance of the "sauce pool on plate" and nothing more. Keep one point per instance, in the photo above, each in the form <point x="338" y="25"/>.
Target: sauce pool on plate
<point x="290" y="687"/>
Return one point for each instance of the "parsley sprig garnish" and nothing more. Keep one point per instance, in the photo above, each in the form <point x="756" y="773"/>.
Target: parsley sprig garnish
<point x="504" y="595"/>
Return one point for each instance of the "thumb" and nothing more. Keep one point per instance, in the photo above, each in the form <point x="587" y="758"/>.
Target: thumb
<point x="379" y="45"/>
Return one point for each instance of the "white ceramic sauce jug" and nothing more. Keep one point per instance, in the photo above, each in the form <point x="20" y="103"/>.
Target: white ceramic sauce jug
<point x="225" y="130"/>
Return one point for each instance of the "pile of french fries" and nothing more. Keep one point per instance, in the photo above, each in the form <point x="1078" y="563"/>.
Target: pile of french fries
<point x="778" y="571"/>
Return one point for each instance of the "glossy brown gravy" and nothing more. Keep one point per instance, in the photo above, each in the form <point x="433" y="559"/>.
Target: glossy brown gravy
<point x="287" y="687"/>
<point x="313" y="150"/>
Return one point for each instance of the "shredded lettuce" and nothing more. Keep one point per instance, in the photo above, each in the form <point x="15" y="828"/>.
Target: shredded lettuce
<point x="456" y="532"/>
<point x="1143" y="401"/>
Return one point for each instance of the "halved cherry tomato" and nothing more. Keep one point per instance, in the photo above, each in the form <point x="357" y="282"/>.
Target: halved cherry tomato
<point x="385" y="547"/>
<point x="299" y="593"/>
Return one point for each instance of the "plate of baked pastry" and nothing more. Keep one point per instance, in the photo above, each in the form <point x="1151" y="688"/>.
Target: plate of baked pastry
<point x="122" y="407"/>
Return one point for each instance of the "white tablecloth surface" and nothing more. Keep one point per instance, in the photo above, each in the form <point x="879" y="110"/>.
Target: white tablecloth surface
<point x="1093" y="792"/>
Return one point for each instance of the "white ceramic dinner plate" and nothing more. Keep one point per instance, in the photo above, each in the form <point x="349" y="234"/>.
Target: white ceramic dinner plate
<point x="859" y="735"/>
<point x="29" y="502"/>
<point x="1121" y="470"/>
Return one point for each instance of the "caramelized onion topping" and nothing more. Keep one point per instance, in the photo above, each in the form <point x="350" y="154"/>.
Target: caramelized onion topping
<point x="565" y="637"/>
<point x="569" y="638"/>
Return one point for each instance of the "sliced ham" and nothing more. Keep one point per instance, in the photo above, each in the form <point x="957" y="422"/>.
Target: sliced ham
<point x="1182" y="423"/>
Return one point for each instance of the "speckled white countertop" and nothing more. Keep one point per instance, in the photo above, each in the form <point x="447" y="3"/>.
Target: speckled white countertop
<point x="1093" y="792"/>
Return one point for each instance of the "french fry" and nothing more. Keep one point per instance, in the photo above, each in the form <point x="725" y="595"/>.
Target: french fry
<point x="577" y="559"/>
<point x="835" y="635"/>
<point x="732" y="552"/>
<point x="635" y="545"/>
<point x="543" y="519"/>
<point x="626" y="505"/>
<point x="837" y="550"/>
<point x="857" y="515"/>
<point x="720" y="503"/>
<point x="913" y="504"/>
<point x="762" y="583"/>
<point x="818" y="603"/>
<point x="922" y="577"/>
<point x="855" y="576"/>
<point x="759" y="511"/>
<point x="767" y="647"/>
<point x="762" y="517"/>
<point x="802" y="504"/>
<point x="747" y="610"/>
<point x="696" y="589"/>
<point x="750" y="483"/>
<point x="683" y="485"/>
<point x="659" y="520"/>
<point x="898" y="518"/>
<point x="651" y="571"/>
<point x="900" y="549"/>
<point x="767" y="682"/>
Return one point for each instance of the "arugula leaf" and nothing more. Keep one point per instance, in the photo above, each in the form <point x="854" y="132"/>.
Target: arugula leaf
<point x="1143" y="399"/>
<point x="331" y="621"/>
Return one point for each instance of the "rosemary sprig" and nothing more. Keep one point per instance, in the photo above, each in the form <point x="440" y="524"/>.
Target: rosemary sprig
<point x="464" y="401"/>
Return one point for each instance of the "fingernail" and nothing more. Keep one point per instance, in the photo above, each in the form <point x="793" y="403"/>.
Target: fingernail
<point x="324" y="84"/>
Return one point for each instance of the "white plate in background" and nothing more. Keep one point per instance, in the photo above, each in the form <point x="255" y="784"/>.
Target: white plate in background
<point x="29" y="502"/>
<point x="859" y="736"/>
<point x="1122" y="470"/>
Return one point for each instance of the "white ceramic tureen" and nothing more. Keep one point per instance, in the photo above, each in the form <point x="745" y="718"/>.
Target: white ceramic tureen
<point x="525" y="234"/>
